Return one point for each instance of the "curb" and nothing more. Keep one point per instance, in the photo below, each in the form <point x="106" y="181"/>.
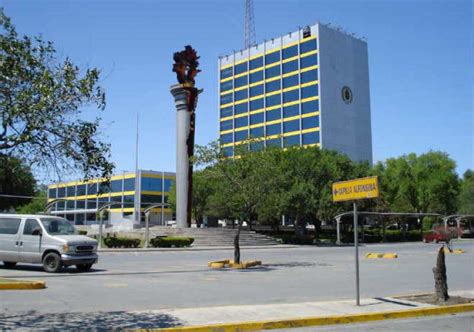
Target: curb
<point x="375" y="255"/>
<point x="318" y="321"/>
<point x="276" y="246"/>
<point x="22" y="285"/>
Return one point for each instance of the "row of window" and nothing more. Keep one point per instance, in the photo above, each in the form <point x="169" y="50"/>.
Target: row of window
<point x="258" y="76"/>
<point x="295" y="140"/>
<point x="149" y="184"/>
<point x="270" y="58"/>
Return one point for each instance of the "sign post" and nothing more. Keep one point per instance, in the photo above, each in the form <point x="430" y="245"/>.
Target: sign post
<point x="353" y="190"/>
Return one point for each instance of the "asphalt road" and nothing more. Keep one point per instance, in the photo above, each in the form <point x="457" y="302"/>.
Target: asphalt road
<point x="124" y="282"/>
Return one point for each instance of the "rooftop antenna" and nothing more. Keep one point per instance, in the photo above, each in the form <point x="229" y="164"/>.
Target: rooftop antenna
<point x="249" y="25"/>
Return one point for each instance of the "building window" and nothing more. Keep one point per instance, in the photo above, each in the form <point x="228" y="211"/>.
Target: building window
<point x="151" y="199"/>
<point x="256" y="104"/>
<point x="256" y="90"/>
<point x="274" y="129"/>
<point x="291" y="140"/>
<point x="225" y="73"/>
<point x="116" y="186"/>
<point x="91" y="204"/>
<point x="272" y="72"/>
<point x="255" y="63"/>
<point x="168" y="184"/>
<point x="311" y="138"/>
<point x="241" y="135"/>
<point x="274" y="114"/>
<point x="104" y="187"/>
<point x="241" y="94"/>
<point x="257" y="132"/>
<point x="309" y="91"/>
<point x="256" y="118"/>
<point x="71" y="191"/>
<point x="226" y="111"/>
<point x="290" y="66"/>
<point x="272" y="57"/>
<point x="290" y="126"/>
<point x="240" y="81"/>
<point x="226" y="125"/>
<point x="257" y="146"/>
<point x="308" y="61"/>
<point x="52" y="192"/>
<point x="309" y="76"/>
<point x="310" y="122"/>
<point x="92" y="189"/>
<point x="240" y="68"/>
<point x="310" y="106"/>
<point x="241" y="122"/>
<point x="80" y="204"/>
<point x="290" y="81"/>
<point x="227" y="98"/>
<point x="151" y="184"/>
<point x="81" y="190"/>
<point x="273" y="100"/>
<point x="129" y="184"/>
<point x="290" y="96"/>
<point x="70" y="205"/>
<point x="308" y="46"/>
<point x="226" y="138"/>
<point x="290" y="52"/>
<point x="227" y="85"/>
<point x="274" y="142"/>
<point x="228" y="151"/>
<point x="256" y="77"/>
<point x="272" y="86"/>
<point x="290" y="111"/>
<point x="241" y="108"/>
<point x="61" y="192"/>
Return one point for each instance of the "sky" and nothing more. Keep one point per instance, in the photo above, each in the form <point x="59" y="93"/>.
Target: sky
<point x="420" y="65"/>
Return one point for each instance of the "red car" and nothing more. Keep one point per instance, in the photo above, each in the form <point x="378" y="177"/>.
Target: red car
<point x="434" y="236"/>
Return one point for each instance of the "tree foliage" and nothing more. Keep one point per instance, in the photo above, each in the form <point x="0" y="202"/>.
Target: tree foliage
<point x="16" y="179"/>
<point x="466" y="194"/>
<point x="37" y="204"/>
<point x="41" y="104"/>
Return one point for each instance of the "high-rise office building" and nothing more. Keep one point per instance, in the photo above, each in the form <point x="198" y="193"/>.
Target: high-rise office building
<point x="306" y="88"/>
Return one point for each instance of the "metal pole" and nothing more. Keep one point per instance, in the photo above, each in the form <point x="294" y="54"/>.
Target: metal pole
<point x="338" y="231"/>
<point x="147" y="217"/>
<point x="356" y="247"/>
<point x="100" y="230"/>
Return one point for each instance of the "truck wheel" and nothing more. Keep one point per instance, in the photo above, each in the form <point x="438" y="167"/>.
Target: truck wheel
<point x="52" y="262"/>
<point x="83" y="267"/>
<point x="9" y="264"/>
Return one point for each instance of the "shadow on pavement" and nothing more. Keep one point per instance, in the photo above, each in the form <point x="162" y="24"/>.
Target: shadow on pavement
<point x="80" y="321"/>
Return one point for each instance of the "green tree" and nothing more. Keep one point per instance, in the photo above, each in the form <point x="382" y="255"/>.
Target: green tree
<point x="16" y="179"/>
<point x="466" y="193"/>
<point x="37" y="204"/>
<point x="41" y="102"/>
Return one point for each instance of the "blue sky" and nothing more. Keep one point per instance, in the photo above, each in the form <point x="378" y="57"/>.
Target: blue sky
<point x="420" y="62"/>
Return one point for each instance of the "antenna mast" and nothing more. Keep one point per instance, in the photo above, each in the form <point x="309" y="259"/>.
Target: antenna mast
<point x="249" y="25"/>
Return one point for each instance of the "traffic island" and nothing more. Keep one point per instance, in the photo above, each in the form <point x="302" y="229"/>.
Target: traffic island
<point x="8" y="284"/>
<point x="375" y="255"/>
<point x="454" y="251"/>
<point x="230" y="263"/>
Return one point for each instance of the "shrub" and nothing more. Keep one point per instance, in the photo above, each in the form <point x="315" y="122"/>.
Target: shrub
<point x="82" y="232"/>
<point x="171" y="241"/>
<point x="293" y="239"/>
<point x="121" y="242"/>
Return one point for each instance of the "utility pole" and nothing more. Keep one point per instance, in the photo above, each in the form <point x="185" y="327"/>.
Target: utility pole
<point x="249" y="25"/>
<point x="136" y="205"/>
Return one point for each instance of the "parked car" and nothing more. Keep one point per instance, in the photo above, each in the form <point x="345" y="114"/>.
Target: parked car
<point x="435" y="236"/>
<point x="47" y="240"/>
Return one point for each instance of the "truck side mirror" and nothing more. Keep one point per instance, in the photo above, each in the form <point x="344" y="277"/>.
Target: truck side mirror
<point x="37" y="231"/>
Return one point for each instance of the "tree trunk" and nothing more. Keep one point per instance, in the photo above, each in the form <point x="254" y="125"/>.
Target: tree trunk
<point x="299" y="228"/>
<point x="441" y="283"/>
<point x="236" y="244"/>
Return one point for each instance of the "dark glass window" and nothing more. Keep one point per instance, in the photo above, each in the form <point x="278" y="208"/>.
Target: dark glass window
<point x="256" y="90"/>
<point x="9" y="226"/>
<point x="256" y="118"/>
<point x="290" y="96"/>
<point x="241" y="94"/>
<point x="290" y="66"/>
<point x="92" y="189"/>
<point x="290" y="81"/>
<point x="272" y="72"/>
<point x="226" y="138"/>
<point x="226" y="73"/>
<point x="30" y="226"/>
<point x="256" y="132"/>
<point x="291" y="140"/>
<point x="150" y="199"/>
<point x="272" y="86"/>
<point x="52" y="193"/>
<point x="116" y="199"/>
<point x="241" y="67"/>
<point x="104" y="187"/>
<point x="272" y="57"/>
<point x="81" y="190"/>
<point x="70" y="216"/>
<point x="241" y="122"/>
<point x="310" y="106"/>
<point x="274" y="142"/>
<point x="71" y="191"/>
<point x="290" y="111"/>
<point x="241" y="135"/>
<point x="274" y="129"/>
<point x="310" y="122"/>
<point x="102" y="201"/>
<point x="226" y="125"/>
<point x="257" y="146"/>
<point x="151" y="184"/>
<point x="228" y="151"/>
<point x="256" y="104"/>
<point x="255" y="63"/>
<point x="241" y="81"/>
<point x="273" y="100"/>
<point x="128" y="201"/>
<point x="241" y="108"/>
<point x="129" y="184"/>
<point x="311" y="138"/>
<point x="61" y="192"/>
<point x="256" y="77"/>
<point x="308" y="61"/>
<point x="309" y="91"/>
<point x="91" y="204"/>
<point x="70" y="205"/>
<point x="290" y="126"/>
<point x="116" y="186"/>
<point x="80" y="204"/>
<point x="80" y="219"/>
<point x="60" y="206"/>
<point x="168" y="184"/>
<point x="227" y="85"/>
<point x="226" y="111"/>
<point x="90" y="217"/>
<point x="274" y="114"/>
<point x="227" y="98"/>
<point x="307" y="46"/>
<point x="290" y="51"/>
<point x="309" y="76"/>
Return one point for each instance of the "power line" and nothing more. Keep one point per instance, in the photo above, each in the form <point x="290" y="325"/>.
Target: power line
<point x="20" y="196"/>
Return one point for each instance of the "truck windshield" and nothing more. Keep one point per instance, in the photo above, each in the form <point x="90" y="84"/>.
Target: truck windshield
<point x="56" y="226"/>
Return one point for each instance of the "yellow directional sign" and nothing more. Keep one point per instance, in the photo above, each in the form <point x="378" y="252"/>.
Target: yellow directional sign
<point x="355" y="189"/>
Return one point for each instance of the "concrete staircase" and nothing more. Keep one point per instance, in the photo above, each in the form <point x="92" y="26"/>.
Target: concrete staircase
<point x="214" y="237"/>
